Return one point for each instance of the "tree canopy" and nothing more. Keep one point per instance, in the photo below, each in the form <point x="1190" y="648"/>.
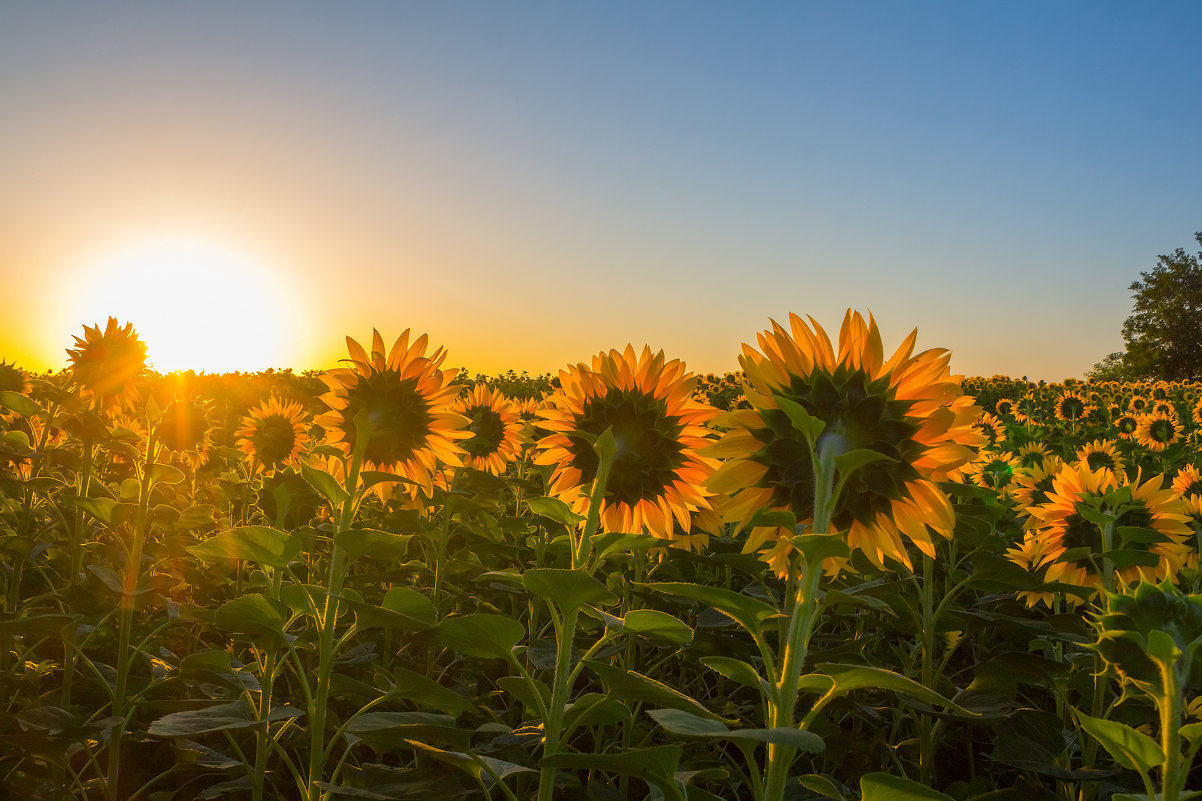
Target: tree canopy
<point x="1163" y="335"/>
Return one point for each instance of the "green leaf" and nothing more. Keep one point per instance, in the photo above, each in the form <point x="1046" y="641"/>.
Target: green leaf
<point x="818" y="547"/>
<point x="369" y="616"/>
<point x="613" y="541"/>
<point x="569" y="589"/>
<point x="325" y="484"/>
<point x="482" y="635"/>
<point x="851" y="461"/>
<point x="1127" y="558"/>
<point x="594" y="709"/>
<point x="164" y="474"/>
<point x="521" y="689"/>
<point x="555" y="509"/>
<point x="883" y="787"/>
<point x="472" y="764"/>
<point x="626" y="685"/>
<point x="370" y="478"/>
<point x="260" y="544"/>
<point x="1095" y="515"/>
<point x="848" y="678"/>
<point x="737" y="670"/>
<point x="428" y="692"/>
<point x="402" y="729"/>
<point x="744" y="610"/>
<point x="690" y="725"/>
<point x="412" y="603"/>
<point x="802" y="420"/>
<point x="765" y="518"/>
<point x="22" y="405"/>
<point x="1132" y="749"/>
<point x="100" y="508"/>
<point x="360" y="542"/>
<point x="652" y="623"/>
<point x="655" y="765"/>
<point x="257" y="615"/>
<point x="221" y="717"/>
<point x="821" y="785"/>
<point x="1191" y="731"/>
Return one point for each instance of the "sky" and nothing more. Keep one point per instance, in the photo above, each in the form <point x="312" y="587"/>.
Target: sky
<point x="530" y="183"/>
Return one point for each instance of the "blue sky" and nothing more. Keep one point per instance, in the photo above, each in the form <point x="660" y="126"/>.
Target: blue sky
<point x="530" y="182"/>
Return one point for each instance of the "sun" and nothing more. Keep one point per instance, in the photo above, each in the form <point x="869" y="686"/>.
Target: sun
<point x="197" y="306"/>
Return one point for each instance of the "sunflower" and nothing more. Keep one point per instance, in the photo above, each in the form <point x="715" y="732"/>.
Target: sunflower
<point x="1071" y="407"/>
<point x="184" y="430"/>
<point x="496" y="426"/>
<point x="1003" y="407"/>
<point x="1029" y="556"/>
<point x="658" y="472"/>
<point x="991" y="428"/>
<point x="13" y="379"/>
<point x="908" y="408"/>
<point x="1101" y="453"/>
<point x="993" y="470"/>
<point x="1070" y="543"/>
<point x="106" y="364"/>
<point x="1126" y="425"/>
<point x="407" y="400"/>
<point x="1157" y="431"/>
<point x="1027" y="408"/>
<point x="1138" y="404"/>
<point x="1196" y="414"/>
<point x="1188" y="481"/>
<point x="1032" y="454"/>
<point x="273" y="433"/>
<point x="1032" y="485"/>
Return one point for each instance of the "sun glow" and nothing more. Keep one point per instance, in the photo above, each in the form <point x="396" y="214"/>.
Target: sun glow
<point x="196" y="306"/>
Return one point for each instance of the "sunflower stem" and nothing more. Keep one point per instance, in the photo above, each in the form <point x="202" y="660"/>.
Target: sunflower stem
<point x="325" y="653"/>
<point x="803" y="618"/>
<point x="606" y="456"/>
<point x="553" y="724"/>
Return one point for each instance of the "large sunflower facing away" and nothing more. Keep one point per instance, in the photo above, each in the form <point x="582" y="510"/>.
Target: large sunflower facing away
<point x="273" y="433"/>
<point x="105" y="364"/>
<point x="184" y="430"/>
<point x="496" y="428"/>
<point x="407" y="399"/>
<point x="908" y="408"/>
<point x="657" y="475"/>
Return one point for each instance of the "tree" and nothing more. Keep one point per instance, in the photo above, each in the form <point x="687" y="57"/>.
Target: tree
<point x="1163" y="335"/>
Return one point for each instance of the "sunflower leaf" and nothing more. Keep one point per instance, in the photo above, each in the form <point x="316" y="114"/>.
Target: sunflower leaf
<point x="689" y="725"/>
<point x="569" y="589"/>
<point x="555" y="509"/>
<point x="164" y="474"/>
<point x="1132" y="749"/>
<point x="652" y="623"/>
<point x="802" y="420"/>
<point x="372" y="542"/>
<point x="744" y="610"/>
<point x="326" y="484"/>
<point x="851" y="461"/>
<point x="655" y="765"/>
<point x="260" y="544"/>
<point x="20" y="404"/>
<point x="481" y="635"/>
<point x="885" y="787"/>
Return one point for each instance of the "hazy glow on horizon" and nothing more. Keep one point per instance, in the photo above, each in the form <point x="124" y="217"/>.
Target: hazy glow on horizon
<point x="195" y="305"/>
<point x="533" y="182"/>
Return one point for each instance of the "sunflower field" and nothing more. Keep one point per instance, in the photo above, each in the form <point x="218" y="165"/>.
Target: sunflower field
<point x="841" y="572"/>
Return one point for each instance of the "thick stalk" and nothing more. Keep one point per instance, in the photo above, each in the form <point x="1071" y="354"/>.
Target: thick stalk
<point x="1171" y="707"/>
<point x="266" y="682"/>
<point x="325" y="648"/>
<point x="553" y="725"/>
<point x="133" y="564"/>
<point x="582" y="551"/>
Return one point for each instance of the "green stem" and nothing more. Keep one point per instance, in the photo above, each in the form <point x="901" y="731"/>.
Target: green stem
<point x="1171" y="707"/>
<point x="925" y="736"/>
<point x="561" y="685"/>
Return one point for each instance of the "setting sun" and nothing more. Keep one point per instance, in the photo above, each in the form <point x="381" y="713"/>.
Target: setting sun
<point x="196" y="306"/>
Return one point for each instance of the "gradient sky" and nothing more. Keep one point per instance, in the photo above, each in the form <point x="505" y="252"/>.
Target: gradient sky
<point x="532" y="182"/>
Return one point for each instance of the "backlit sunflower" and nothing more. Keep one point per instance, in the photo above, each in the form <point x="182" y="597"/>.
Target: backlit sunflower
<point x="13" y="378"/>
<point x="1157" y="431"/>
<point x="993" y="470"/>
<point x="1072" y="545"/>
<point x="496" y="429"/>
<point x="1003" y="407"/>
<point x="1032" y="486"/>
<point x="1126" y="425"/>
<point x="991" y="429"/>
<point x="908" y="408"/>
<point x="408" y="402"/>
<point x="105" y="365"/>
<point x="1027" y="409"/>
<point x="1071" y="407"/>
<point x="273" y="433"/>
<point x="1031" y="454"/>
<point x="184" y="430"/>
<point x="1101" y="453"/>
<point x="657" y="475"/>
<point x="1188" y="482"/>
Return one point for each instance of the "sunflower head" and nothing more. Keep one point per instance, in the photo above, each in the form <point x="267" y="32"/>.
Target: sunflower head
<point x="658" y="428"/>
<point x="273" y="433"/>
<point x="1188" y="481"/>
<point x="908" y="409"/>
<point x="1158" y="430"/>
<point x="402" y="400"/>
<point x="1101" y="453"/>
<point x="13" y="378"/>
<point x="106" y="364"/>
<point x="496" y="429"/>
<point x="184" y="430"/>
<point x="1072" y="407"/>
<point x="993" y="470"/>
